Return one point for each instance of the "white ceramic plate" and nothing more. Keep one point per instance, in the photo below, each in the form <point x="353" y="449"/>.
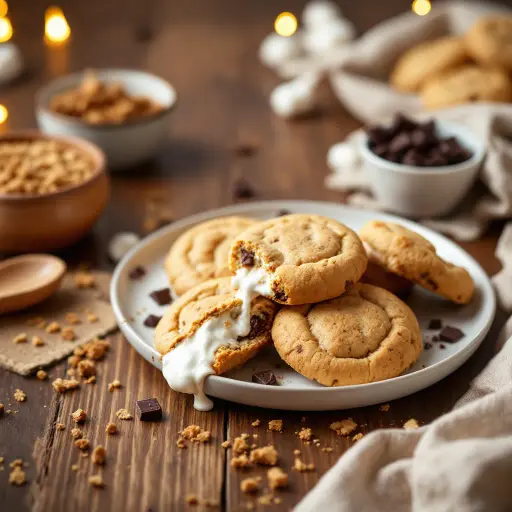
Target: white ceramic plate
<point x="132" y="303"/>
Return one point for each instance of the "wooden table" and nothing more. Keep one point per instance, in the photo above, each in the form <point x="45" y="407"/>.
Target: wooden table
<point x="207" y="49"/>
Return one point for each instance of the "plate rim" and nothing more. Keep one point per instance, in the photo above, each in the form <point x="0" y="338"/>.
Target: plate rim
<point x="279" y="204"/>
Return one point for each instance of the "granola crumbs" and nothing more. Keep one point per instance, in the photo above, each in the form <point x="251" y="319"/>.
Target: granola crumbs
<point x="68" y="334"/>
<point x="86" y="368"/>
<point x="256" y="423"/>
<point x="124" y="414"/>
<point x="111" y="429"/>
<point x="41" y="375"/>
<point x="99" y="455"/>
<point x="76" y="433"/>
<point x="20" y="338"/>
<point x="343" y="427"/>
<point x="357" y="437"/>
<point x="226" y="444"/>
<point x="249" y="485"/>
<point x="60" y="426"/>
<point x="302" y="467"/>
<point x="305" y="434"/>
<point x="82" y="444"/>
<point x="52" y="327"/>
<point x="37" y="341"/>
<point x="275" y="425"/>
<point x="73" y="319"/>
<point x="96" y="481"/>
<point x="240" y="462"/>
<point x="91" y="317"/>
<point x="411" y="424"/>
<point x="384" y="407"/>
<point x="84" y="279"/>
<point x="20" y="396"/>
<point x="115" y="384"/>
<point x="17" y="476"/>
<point x="79" y="416"/>
<point x="277" y="478"/>
<point x="267" y="456"/>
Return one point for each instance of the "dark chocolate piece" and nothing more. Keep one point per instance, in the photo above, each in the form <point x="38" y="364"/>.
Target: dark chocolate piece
<point x="258" y="325"/>
<point x="427" y="345"/>
<point x="451" y="334"/>
<point x="280" y="296"/>
<point x="137" y="272"/>
<point x="435" y="338"/>
<point x="161" y="297"/>
<point x="435" y="324"/>
<point x="246" y="258"/>
<point x="242" y="190"/>
<point x="265" y="377"/>
<point x="149" y="410"/>
<point x="441" y="346"/>
<point x="152" y="320"/>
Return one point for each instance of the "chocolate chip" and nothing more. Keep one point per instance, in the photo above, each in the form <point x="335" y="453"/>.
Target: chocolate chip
<point x="299" y="349"/>
<point x="152" y="320"/>
<point x="377" y="135"/>
<point x="242" y="190"/>
<point x="149" y="409"/>
<point x="137" y="272"/>
<point x="451" y="334"/>
<point x="161" y="297"/>
<point x="435" y="338"/>
<point x="246" y="258"/>
<point x="265" y="377"/>
<point x="400" y="142"/>
<point x="441" y="346"/>
<point x="435" y="324"/>
<point x="258" y="326"/>
<point x="280" y="296"/>
<point x="427" y="346"/>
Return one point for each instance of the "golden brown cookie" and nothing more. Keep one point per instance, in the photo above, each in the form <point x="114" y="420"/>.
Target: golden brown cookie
<point x="379" y="276"/>
<point x="467" y="84"/>
<point x="489" y="41"/>
<point x="305" y="258"/>
<point x="201" y="253"/>
<point x="427" y="60"/>
<point x="213" y="299"/>
<point x="408" y="254"/>
<point x="364" y="336"/>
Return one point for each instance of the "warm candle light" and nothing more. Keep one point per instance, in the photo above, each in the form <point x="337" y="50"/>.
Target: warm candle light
<point x="5" y="30"/>
<point x="4" y="114"/>
<point x="285" y="24"/>
<point x="4" y="8"/>
<point x="56" y="28"/>
<point x="421" y="7"/>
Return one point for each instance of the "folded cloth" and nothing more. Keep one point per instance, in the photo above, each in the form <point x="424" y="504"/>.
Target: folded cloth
<point x="490" y="198"/>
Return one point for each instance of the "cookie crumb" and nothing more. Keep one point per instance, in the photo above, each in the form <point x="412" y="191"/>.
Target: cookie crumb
<point x="53" y="327"/>
<point x="60" y="426"/>
<point x="275" y="425"/>
<point x="91" y="317"/>
<point x="41" y="375"/>
<point x="72" y="319"/>
<point x="305" y="434"/>
<point x="357" y="437"/>
<point x="84" y="279"/>
<point x="343" y="427"/>
<point x="256" y="423"/>
<point x="63" y="385"/>
<point x="266" y="456"/>
<point x="17" y="476"/>
<point x="20" y="338"/>
<point x="302" y="467"/>
<point x="99" y="455"/>
<point x="296" y="452"/>
<point x="86" y="368"/>
<point x="68" y="334"/>
<point x="91" y="379"/>
<point x="192" y="499"/>
<point x="327" y="449"/>
<point x="96" y="349"/>
<point x="74" y="467"/>
<point x="240" y="445"/>
<point x="240" y="462"/>
<point x="384" y="407"/>
<point x="96" y="481"/>
<point x="411" y="424"/>
<point x="111" y="429"/>
<point x="20" y="396"/>
<point x="115" y="384"/>
<point x="180" y="443"/>
<point x="76" y="433"/>
<point x="124" y="414"/>
<point x="79" y="416"/>
<point x="277" y="478"/>
<point x="226" y="444"/>
<point x="82" y="444"/>
<point x="265" y="500"/>
<point x="37" y="341"/>
<point x="249" y="485"/>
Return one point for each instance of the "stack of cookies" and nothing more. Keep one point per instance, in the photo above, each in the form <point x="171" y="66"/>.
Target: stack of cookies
<point x="325" y="296"/>
<point x="452" y="70"/>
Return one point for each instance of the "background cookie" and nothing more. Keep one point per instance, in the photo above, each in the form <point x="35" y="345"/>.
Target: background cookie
<point x="201" y="253"/>
<point x="467" y="84"/>
<point x="379" y="276"/>
<point x="408" y="254"/>
<point x="205" y="301"/>
<point x="364" y="336"/>
<point x="427" y="60"/>
<point x="489" y="41"/>
<point x="308" y="258"/>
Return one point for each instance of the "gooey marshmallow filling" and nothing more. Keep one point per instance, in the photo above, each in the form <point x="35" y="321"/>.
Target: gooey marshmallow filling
<point x="186" y="366"/>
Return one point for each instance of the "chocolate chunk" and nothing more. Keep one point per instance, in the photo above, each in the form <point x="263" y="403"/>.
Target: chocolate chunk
<point x="258" y="326"/>
<point x="137" y="272"/>
<point x="161" y="297"/>
<point x="441" y="346"/>
<point x="152" y="320"/>
<point x="299" y="349"/>
<point x="451" y="334"/>
<point x="246" y="258"/>
<point x="280" y="296"/>
<point x="377" y="135"/>
<point x="265" y="377"/>
<point x="427" y="346"/>
<point x="400" y="142"/>
<point x="381" y="150"/>
<point x="242" y="190"/>
<point x="435" y="324"/>
<point x="435" y="338"/>
<point x="149" y="410"/>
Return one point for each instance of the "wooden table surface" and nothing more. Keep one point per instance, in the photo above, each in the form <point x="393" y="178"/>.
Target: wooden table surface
<point x="208" y="50"/>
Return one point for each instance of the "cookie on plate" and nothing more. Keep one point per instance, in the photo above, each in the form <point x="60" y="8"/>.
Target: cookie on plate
<point x="409" y="255"/>
<point x="489" y="41"/>
<point x="366" y="335"/>
<point x="201" y="253"/>
<point x="425" y="61"/>
<point x="467" y="84"/>
<point x="302" y="258"/>
<point x="379" y="276"/>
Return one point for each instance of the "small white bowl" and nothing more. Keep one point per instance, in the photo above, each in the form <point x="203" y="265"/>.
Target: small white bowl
<point x="424" y="191"/>
<point x="124" y="144"/>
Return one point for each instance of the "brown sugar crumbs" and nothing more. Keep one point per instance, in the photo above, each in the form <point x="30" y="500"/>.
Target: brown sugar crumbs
<point x="19" y="395"/>
<point x="84" y="279"/>
<point x="240" y="462"/>
<point x="99" y="455"/>
<point x="20" y="338"/>
<point x="86" y="368"/>
<point x="52" y="327"/>
<point x="115" y="384"/>
<point x="249" y="485"/>
<point x="343" y="427"/>
<point x="68" y="334"/>
<point x="384" y="407"/>
<point x="41" y="375"/>
<point x="266" y="456"/>
<point x="63" y="385"/>
<point x="79" y="416"/>
<point x="111" y="429"/>
<point x="275" y="425"/>
<point x="82" y="444"/>
<point x="411" y="424"/>
<point x="76" y="433"/>
<point x="17" y="476"/>
<point x="277" y="478"/>
<point x="96" y="481"/>
<point x="305" y="434"/>
<point x="302" y="467"/>
<point x="37" y="341"/>
<point x="124" y="414"/>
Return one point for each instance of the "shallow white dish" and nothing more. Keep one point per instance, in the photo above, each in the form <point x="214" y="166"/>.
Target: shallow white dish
<point x="132" y="303"/>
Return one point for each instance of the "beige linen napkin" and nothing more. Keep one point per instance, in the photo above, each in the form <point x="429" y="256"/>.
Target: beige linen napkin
<point x="490" y="198"/>
<point x="460" y="462"/>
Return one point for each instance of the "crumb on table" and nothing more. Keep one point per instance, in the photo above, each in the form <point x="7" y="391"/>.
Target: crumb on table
<point x="275" y="425"/>
<point x="411" y="424"/>
<point x="79" y="416"/>
<point x="277" y="478"/>
<point x="266" y="456"/>
<point x="124" y="414"/>
<point x="111" y="429"/>
<point x="343" y="427"/>
<point x="249" y="485"/>
<point x="20" y="396"/>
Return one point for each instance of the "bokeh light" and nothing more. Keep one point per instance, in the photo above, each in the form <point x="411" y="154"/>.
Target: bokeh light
<point x="5" y="30"/>
<point x="56" y="28"/>
<point x="285" y="24"/>
<point x="4" y="114"/>
<point x="421" y="7"/>
<point x="4" y="8"/>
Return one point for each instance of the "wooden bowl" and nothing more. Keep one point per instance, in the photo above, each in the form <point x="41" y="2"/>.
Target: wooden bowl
<point x="32" y="223"/>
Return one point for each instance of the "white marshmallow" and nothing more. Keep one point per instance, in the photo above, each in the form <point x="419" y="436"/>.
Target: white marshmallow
<point x="121" y="243"/>
<point x="276" y="49"/>
<point x="332" y="35"/>
<point x="320" y="12"/>
<point x="295" y="97"/>
<point x="343" y="155"/>
<point x="11" y="62"/>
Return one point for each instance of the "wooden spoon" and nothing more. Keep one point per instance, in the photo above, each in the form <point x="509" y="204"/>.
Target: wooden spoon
<point x="29" y="279"/>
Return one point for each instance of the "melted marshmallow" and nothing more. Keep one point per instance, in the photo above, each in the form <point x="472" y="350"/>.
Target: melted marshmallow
<point x="186" y="367"/>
